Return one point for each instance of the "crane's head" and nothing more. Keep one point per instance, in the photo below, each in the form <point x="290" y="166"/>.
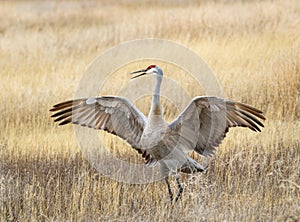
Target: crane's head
<point x="150" y="70"/>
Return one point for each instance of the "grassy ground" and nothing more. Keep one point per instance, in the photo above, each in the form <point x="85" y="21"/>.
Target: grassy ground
<point x="252" y="46"/>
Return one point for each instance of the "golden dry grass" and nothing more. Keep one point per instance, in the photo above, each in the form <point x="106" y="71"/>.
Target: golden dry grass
<point x="252" y="46"/>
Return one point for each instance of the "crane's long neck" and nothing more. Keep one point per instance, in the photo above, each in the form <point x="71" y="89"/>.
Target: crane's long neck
<point x="155" y="106"/>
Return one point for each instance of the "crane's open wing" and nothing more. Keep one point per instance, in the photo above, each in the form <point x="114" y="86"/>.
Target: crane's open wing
<point x="204" y="123"/>
<point x="115" y="115"/>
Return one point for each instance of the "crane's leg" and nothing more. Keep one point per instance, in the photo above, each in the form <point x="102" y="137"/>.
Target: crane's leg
<point x="180" y="188"/>
<point x="169" y="188"/>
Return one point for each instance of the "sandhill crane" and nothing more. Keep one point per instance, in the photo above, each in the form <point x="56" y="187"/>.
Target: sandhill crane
<point x="201" y="127"/>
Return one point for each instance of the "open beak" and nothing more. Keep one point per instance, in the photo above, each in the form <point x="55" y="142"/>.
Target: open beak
<point x="142" y="72"/>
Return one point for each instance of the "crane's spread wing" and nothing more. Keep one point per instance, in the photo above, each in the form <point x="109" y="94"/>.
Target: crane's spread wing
<point x="204" y="123"/>
<point x="115" y="115"/>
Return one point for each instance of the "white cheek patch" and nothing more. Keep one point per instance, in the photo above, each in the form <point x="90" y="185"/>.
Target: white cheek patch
<point x="90" y="101"/>
<point x="150" y="71"/>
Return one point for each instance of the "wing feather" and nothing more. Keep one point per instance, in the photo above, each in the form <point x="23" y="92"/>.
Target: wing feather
<point x="211" y="117"/>
<point x="115" y="115"/>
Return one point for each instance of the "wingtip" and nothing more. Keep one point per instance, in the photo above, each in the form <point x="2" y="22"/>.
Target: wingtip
<point x="53" y="115"/>
<point x="63" y="123"/>
<point x="54" y="108"/>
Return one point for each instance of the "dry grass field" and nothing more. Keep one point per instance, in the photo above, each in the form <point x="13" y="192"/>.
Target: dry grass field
<point x="253" y="47"/>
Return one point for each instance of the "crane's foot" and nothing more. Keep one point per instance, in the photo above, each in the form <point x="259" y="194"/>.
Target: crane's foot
<point x="169" y="189"/>
<point x="180" y="189"/>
